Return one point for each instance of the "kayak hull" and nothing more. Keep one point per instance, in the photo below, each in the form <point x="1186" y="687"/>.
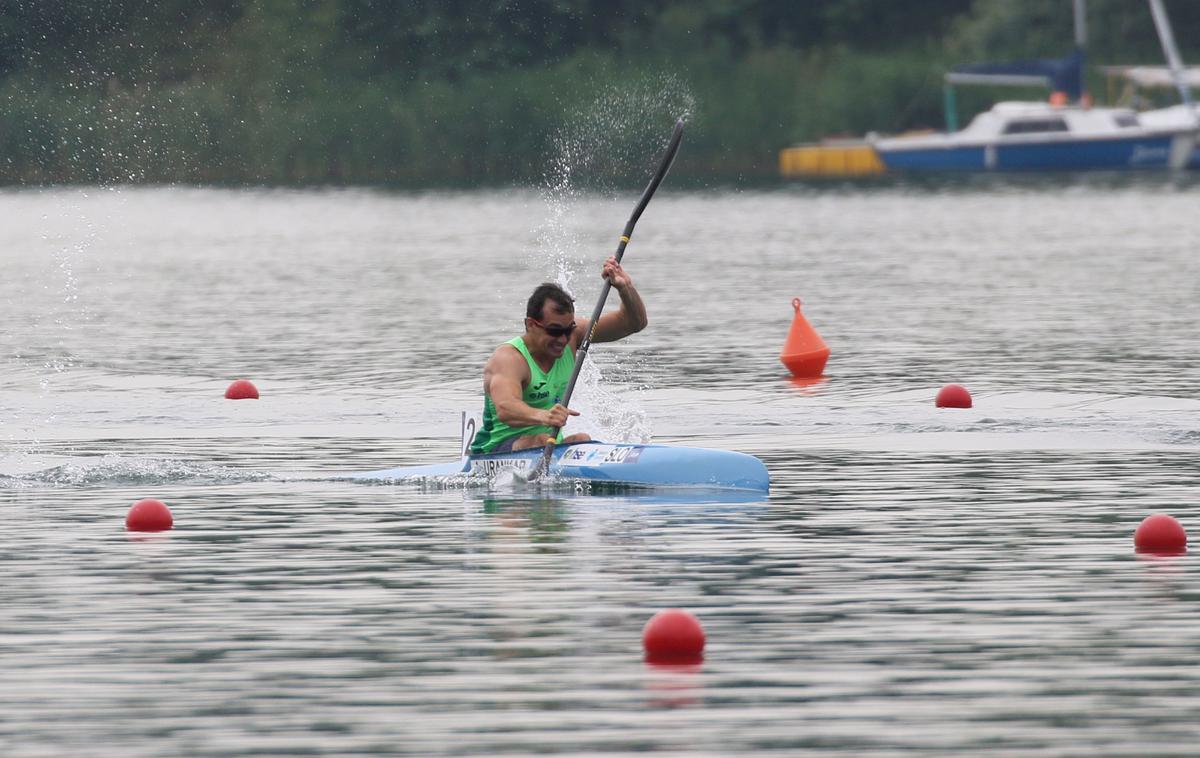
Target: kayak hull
<point x="633" y="465"/>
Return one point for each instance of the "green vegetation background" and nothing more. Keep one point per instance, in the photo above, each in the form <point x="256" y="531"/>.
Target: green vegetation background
<point x="475" y="92"/>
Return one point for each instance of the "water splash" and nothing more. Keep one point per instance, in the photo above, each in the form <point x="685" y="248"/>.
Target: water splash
<point x="62" y="241"/>
<point x="114" y="469"/>
<point x="621" y="133"/>
<point x="608" y="413"/>
<point x="507" y="484"/>
<point x="71" y="236"/>
<point x="65" y="316"/>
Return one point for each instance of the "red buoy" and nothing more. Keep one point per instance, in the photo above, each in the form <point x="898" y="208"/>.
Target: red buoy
<point x="148" y="515"/>
<point x="1160" y="534"/>
<point x="242" y="389"/>
<point x="673" y="636"/>
<point x="804" y="352"/>
<point x="953" y="396"/>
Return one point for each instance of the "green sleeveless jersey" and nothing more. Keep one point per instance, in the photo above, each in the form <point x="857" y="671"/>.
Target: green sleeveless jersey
<point x="543" y="391"/>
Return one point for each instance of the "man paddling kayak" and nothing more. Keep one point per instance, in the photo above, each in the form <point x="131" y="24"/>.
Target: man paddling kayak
<point x="525" y="378"/>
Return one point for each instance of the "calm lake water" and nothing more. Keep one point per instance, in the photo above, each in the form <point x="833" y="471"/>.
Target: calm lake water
<point x="918" y="581"/>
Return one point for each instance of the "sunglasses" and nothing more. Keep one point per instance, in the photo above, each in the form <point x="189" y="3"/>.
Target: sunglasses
<point x="554" y="330"/>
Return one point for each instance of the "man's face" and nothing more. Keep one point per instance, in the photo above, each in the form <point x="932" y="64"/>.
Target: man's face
<point x="553" y="331"/>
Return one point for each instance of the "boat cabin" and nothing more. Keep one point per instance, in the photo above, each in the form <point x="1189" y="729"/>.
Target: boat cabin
<point x="1041" y="120"/>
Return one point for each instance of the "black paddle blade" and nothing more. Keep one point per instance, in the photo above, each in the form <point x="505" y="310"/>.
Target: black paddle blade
<point x="664" y="165"/>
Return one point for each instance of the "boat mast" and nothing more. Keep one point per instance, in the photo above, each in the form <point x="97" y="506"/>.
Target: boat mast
<point x="1080" y="44"/>
<point x="1167" y="38"/>
<point x="1080" y="24"/>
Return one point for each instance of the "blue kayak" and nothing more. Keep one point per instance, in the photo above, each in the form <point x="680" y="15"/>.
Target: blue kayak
<point x="598" y="462"/>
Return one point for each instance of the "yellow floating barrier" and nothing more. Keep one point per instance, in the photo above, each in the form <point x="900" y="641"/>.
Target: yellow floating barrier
<point x="830" y="159"/>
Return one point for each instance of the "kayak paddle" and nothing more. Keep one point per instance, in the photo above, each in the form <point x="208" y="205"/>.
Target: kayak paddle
<point x="663" y="166"/>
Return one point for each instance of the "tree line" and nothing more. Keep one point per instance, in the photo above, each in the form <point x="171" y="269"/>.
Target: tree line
<point x="470" y="92"/>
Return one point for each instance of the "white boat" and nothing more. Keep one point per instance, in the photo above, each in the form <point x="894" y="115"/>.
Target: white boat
<point x="1066" y="134"/>
<point x="1139" y="83"/>
<point x="1040" y="136"/>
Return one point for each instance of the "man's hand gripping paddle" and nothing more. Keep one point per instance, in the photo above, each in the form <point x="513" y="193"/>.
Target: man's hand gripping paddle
<point x="664" y="165"/>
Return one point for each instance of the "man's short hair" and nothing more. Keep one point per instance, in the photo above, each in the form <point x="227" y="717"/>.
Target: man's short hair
<point x="536" y="306"/>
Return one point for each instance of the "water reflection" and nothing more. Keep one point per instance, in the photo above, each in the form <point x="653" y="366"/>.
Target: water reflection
<point x="545" y="520"/>
<point x="1166" y="573"/>
<point x="674" y="685"/>
<point x="808" y="385"/>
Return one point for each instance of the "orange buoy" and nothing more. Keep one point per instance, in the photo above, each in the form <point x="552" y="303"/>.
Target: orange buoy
<point x="804" y="352"/>
<point x="242" y="389"/>
<point x="148" y="515"/>
<point x="1160" y="534"/>
<point x="953" y="396"/>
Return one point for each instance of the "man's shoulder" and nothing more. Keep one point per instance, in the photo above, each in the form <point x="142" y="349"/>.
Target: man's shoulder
<point x="507" y="349"/>
<point x="506" y="356"/>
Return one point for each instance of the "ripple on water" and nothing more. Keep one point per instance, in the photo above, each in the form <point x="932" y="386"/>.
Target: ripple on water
<point x="917" y="580"/>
